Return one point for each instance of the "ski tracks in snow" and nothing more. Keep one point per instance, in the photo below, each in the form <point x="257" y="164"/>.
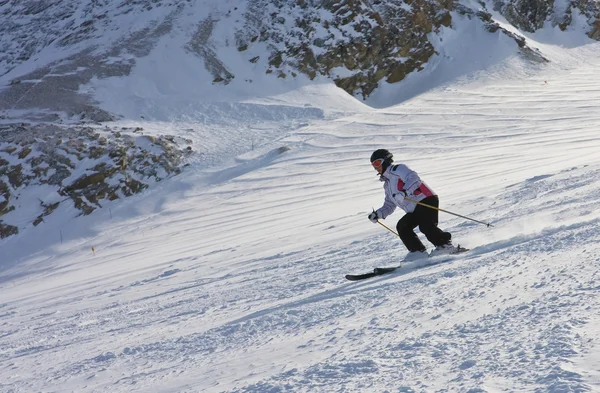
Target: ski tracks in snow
<point x="246" y="292"/>
<point x="473" y="328"/>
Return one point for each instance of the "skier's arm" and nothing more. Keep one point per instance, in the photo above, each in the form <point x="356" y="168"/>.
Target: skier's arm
<point x="388" y="207"/>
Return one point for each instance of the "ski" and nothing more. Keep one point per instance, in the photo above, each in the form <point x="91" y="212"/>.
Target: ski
<point x="379" y="271"/>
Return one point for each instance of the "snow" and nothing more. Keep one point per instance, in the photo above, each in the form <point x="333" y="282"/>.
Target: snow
<point x="230" y="276"/>
<point x="453" y="47"/>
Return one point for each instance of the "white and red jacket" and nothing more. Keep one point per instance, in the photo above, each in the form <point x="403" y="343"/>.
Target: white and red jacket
<point x="401" y="178"/>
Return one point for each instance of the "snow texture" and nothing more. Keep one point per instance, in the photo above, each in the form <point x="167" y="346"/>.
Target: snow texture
<point x="230" y="276"/>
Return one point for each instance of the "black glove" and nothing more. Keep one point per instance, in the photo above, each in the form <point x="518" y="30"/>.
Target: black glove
<point x="374" y="217"/>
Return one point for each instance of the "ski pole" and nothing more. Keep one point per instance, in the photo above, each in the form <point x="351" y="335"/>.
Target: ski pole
<point x="446" y="211"/>
<point x="386" y="227"/>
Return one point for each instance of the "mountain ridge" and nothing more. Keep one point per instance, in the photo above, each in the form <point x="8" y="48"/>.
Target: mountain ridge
<point x="357" y="44"/>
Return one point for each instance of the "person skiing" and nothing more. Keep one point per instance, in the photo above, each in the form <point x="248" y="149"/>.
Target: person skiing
<point x="403" y="187"/>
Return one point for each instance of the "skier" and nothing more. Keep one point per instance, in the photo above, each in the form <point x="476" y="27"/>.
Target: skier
<point x="402" y="187"/>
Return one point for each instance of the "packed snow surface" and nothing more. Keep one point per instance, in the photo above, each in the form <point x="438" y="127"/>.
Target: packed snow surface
<point x="230" y="277"/>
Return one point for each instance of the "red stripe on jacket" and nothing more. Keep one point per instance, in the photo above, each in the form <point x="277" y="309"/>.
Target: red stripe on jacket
<point x="423" y="189"/>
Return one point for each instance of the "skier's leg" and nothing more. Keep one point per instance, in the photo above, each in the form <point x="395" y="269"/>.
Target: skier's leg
<point x="405" y="228"/>
<point x="427" y="219"/>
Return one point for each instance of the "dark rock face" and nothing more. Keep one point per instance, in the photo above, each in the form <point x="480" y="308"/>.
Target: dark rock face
<point x="199" y="45"/>
<point x="532" y="15"/>
<point x="354" y="42"/>
<point x="80" y="164"/>
<point x="360" y="43"/>
<point x="527" y="15"/>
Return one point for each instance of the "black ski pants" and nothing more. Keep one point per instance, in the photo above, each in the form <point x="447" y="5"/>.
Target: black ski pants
<point x="427" y="220"/>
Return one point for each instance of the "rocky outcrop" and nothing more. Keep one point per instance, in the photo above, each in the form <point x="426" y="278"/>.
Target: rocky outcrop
<point x="595" y="33"/>
<point x="200" y="46"/>
<point x="357" y="43"/>
<point x="532" y="15"/>
<point x="83" y="166"/>
<point x="354" y="42"/>
<point x="361" y="43"/>
<point x="527" y="15"/>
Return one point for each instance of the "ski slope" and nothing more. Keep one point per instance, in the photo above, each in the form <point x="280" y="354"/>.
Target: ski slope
<point x="230" y="277"/>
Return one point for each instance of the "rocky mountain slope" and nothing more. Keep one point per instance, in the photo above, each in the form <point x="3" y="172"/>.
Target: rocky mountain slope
<point x="52" y="52"/>
<point x="356" y="43"/>
<point x="43" y="166"/>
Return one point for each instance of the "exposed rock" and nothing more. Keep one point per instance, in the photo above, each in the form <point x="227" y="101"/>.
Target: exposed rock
<point x="527" y="15"/>
<point x="356" y="43"/>
<point x="48" y="209"/>
<point x="595" y="32"/>
<point x="24" y="152"/>
<point x="4" y="197"/>
<point x="359" y="44"/>
<point x="532" y="15"/>
<point x="492" y="26"/>
<point x="201" y="46"/>
<point x="7" y="230"/>
<point x="114" y="164"/>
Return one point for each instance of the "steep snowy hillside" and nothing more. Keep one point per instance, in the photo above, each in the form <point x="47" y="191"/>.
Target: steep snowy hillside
<point x="240" y="132"/>
<point x="65" y="58"/>
<point x="230" y="276"/>
<point x="228" y="76"/>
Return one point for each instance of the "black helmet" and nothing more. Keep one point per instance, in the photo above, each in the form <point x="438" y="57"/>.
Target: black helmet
<point x="382" y="154"/>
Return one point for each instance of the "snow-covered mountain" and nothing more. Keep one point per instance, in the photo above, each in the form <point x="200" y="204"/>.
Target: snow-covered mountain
<point x="210" y="63"/>
<point x="52" y="51"/>
<point x="231" y="278"/>
<point x="223" y="271"/>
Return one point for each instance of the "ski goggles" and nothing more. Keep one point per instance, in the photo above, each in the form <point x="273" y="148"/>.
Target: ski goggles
<point x="378" y="163"/>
